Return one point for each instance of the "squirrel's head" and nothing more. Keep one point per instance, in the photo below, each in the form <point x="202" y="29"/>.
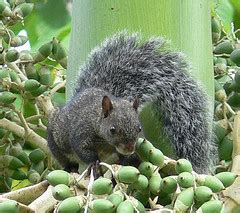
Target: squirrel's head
<point x="120" y="124"/>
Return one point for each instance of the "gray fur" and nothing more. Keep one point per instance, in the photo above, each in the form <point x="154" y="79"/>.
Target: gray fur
<point x="127" y="67"/>
<point x="76" y="131"/>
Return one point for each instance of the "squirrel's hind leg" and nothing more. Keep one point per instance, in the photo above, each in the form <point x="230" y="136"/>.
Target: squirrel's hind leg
<point x="59" y="154"/>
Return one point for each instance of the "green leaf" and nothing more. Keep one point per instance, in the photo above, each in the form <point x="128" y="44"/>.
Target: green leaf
<point x="225" y="11"/>
<point x="48" y="20"/>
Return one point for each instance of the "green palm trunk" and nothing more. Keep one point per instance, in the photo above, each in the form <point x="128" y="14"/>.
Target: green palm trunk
<point x="185" y="22"/>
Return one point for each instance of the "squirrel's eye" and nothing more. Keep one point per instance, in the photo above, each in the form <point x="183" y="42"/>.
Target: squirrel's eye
<point x="139" y="129"/>
<point x="112" y="129"/>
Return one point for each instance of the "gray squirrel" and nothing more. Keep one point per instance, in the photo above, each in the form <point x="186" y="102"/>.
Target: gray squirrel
<point x="120" y="74"/>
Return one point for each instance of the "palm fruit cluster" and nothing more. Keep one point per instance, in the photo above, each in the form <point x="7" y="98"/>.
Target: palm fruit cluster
<point x="131" y="189"/>
<point x="24" y="77"/>
<point x="226" y="50"/>
<point x="16" y="164"/>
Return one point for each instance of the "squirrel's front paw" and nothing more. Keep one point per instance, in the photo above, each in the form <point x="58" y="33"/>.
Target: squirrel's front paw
<point x="96" y="168"/>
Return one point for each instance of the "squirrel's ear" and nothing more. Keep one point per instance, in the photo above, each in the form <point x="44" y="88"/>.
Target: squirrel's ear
<point x="106" y="106"/>
<point x="136" y="104"/>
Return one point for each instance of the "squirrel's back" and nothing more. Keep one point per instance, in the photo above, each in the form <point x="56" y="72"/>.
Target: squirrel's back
<point x="128" y="67"/>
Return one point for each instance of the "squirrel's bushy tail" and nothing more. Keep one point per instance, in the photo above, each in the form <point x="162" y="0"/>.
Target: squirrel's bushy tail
<point x="128" y="67"/>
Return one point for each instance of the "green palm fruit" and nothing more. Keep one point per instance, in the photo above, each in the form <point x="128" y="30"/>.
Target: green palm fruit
<point x="5" y="9"/>
<point x="185" y="180"/>
<point x="127" y="174"/>
<point x="2" y="147"/>
<point x="2" y="133"/>
<point x="2" y="115"/>
<point x="102" y="186"/>
<point x="141" y="183"/>
<point x="45" y="75"/>
<point x="216" y="29"/>
<point x="11" y="55"/>
<point x="60" y="55"/>
<point x="5" y="74"/>
<point x="168" y="185"/>
<point x="220" y="60"/>
<point x="227" y="178"/>
<point x="2" y="58"/>
<point x="18" y="152"/>
<point x="33" y="176"/>
<point x="135" y="203"/>
<point x="225" y="47"/>
<point x="183" y="165"/>
<point x="234" y="99"/>
<point x="2" y="29"/>
<point x="210" y="181"/>
<point x="10" y="161"/>
<point x="71" y="204"/>
<point x="102" y="206"/>
<point x="16" y="174"/>
<point x="37" y="155"/>
<point x="54" y="48"/>
<point x="184" y="200"/>
<point x="220" y="94"/>
<point x="234" y="86"/>
<point x="220" y="66"/>
<point x="26" y="56"/>
<point x="61" y="192"/>
<point x="140" y="207"/>
<point x="126" y="206"/>
<point x="31" y="71"/>
<point x="143" y="148"/>
<point x="14" y="77"/>
<point x="211" y="206"/>
<point x="59" y="177"/>
<point x="156" y="157"/>
<point x="214" y="59"/>
<point x="8" y="35"/>
<point x="116" y="198"/>
<point x="220" y="129"/>
<point x="202" y="194"/>
<point x="164" y="199"/>
<point x="23" y="10"/>
<point x="142" y="196"/>
<point x="39" y="167"/>
<point x="39" y="91"/>
<point x="10" y="206"/>
<point x="17" y="2"/>
<point x="5" y="184"/>
<point x="31" y="85"/>
<point x="154" y="183"/>
<point x="43" y="52"/>
<point x="230" y="62"/>
<point x="146" y="168"/>
<point x="237" y="77"/>
<point x="226" y="147"/>
<point x="19" y="40"/>
<point x="235" y="56"/>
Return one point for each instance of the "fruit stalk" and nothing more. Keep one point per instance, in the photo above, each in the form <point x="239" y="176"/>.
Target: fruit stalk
<point x="33" y="138"/>
<point x="28" y="194"/>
